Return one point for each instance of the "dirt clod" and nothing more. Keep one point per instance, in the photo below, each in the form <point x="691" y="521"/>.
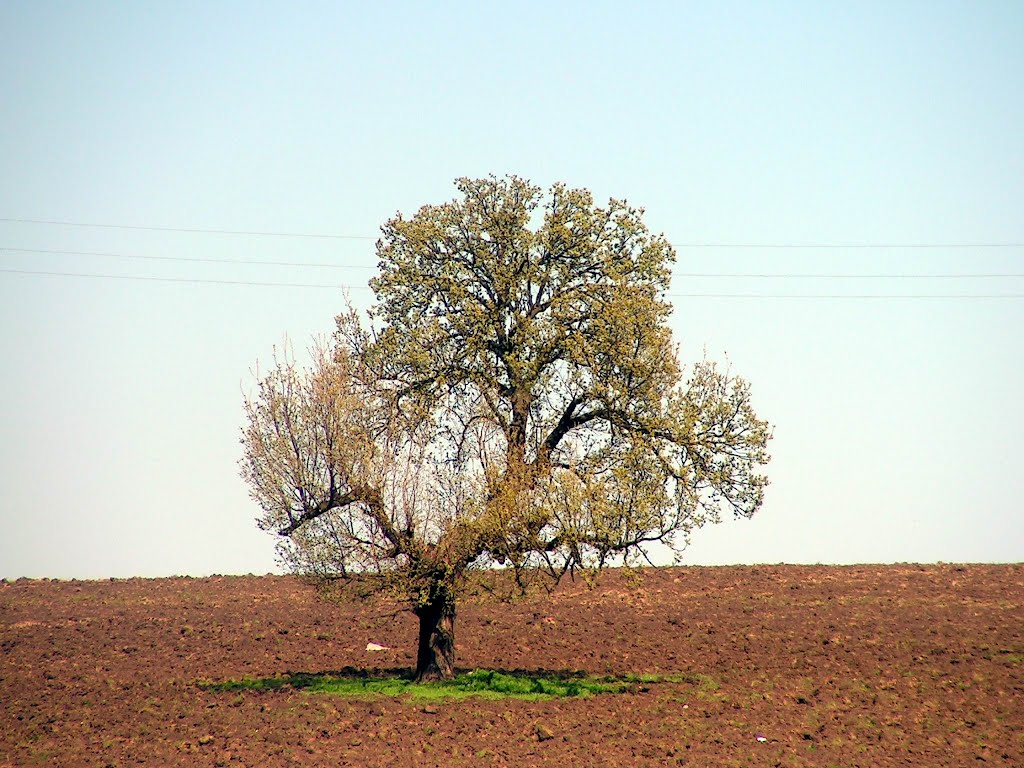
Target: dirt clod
<point x="858" y="659"/>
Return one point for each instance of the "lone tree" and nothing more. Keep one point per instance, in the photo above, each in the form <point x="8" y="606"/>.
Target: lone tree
<point x="514" y="399"/>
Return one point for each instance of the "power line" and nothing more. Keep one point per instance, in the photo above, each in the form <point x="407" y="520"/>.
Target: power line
<point x="193" y="230"/>
<point x="850" y="276"/>
<point x="839" y="296"/>
<point x="181" y="279"/>
<point x="694" y="244"/>
<point x="687" y="275"/>
<point x="843" y="246"/>
<point x="195" y="259"/>
<point x="835" y="296"/>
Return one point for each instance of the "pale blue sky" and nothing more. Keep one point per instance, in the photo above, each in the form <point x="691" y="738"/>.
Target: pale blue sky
<point x="898" y="421"/>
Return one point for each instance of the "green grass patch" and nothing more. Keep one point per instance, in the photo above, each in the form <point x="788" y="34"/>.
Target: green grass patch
<point x="485" y="683"/>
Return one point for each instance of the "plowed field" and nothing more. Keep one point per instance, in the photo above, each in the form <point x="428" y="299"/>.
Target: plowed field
<point x="776" y="666"/>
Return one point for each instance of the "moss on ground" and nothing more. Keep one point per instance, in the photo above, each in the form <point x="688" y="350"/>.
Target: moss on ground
<point x="485" y="683"/>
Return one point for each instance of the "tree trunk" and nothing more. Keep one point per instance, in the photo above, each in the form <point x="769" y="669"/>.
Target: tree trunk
<point x="436" y="657"/>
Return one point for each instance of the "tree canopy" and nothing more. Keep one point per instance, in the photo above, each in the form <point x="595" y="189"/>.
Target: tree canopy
<point x="514" y="398"/>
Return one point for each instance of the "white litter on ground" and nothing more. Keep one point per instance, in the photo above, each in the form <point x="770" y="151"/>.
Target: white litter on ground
<point x="375" y="647"/>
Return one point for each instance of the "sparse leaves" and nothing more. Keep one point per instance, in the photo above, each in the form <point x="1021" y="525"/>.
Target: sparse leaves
<point x="517" y="401"/>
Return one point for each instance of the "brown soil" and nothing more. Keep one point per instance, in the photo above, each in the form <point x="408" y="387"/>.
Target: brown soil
<point x="830" y="666"/>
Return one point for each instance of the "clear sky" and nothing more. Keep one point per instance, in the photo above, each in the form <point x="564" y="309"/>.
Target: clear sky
<point x="898" y="421"/>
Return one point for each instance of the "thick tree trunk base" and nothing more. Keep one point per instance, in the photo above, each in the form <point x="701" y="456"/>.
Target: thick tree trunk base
<point x="435" y="659"/>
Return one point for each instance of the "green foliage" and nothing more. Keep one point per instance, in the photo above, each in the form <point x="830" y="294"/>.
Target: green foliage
<point x="514" y="399"/>
<point x="488" y="684"/>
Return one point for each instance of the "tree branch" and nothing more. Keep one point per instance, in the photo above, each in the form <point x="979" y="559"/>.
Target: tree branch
<point x="333" y="502"/>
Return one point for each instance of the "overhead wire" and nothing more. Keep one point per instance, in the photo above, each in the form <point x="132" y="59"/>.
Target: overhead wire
<point x="187" y="230"/>
<point x="709" y="275"/>
<point x="686" y="275"/>
<point x="674" y="295"/>
<point x="194" y="259"/>
<point x="334" y="236"/>
<point x="153" y="278"/>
